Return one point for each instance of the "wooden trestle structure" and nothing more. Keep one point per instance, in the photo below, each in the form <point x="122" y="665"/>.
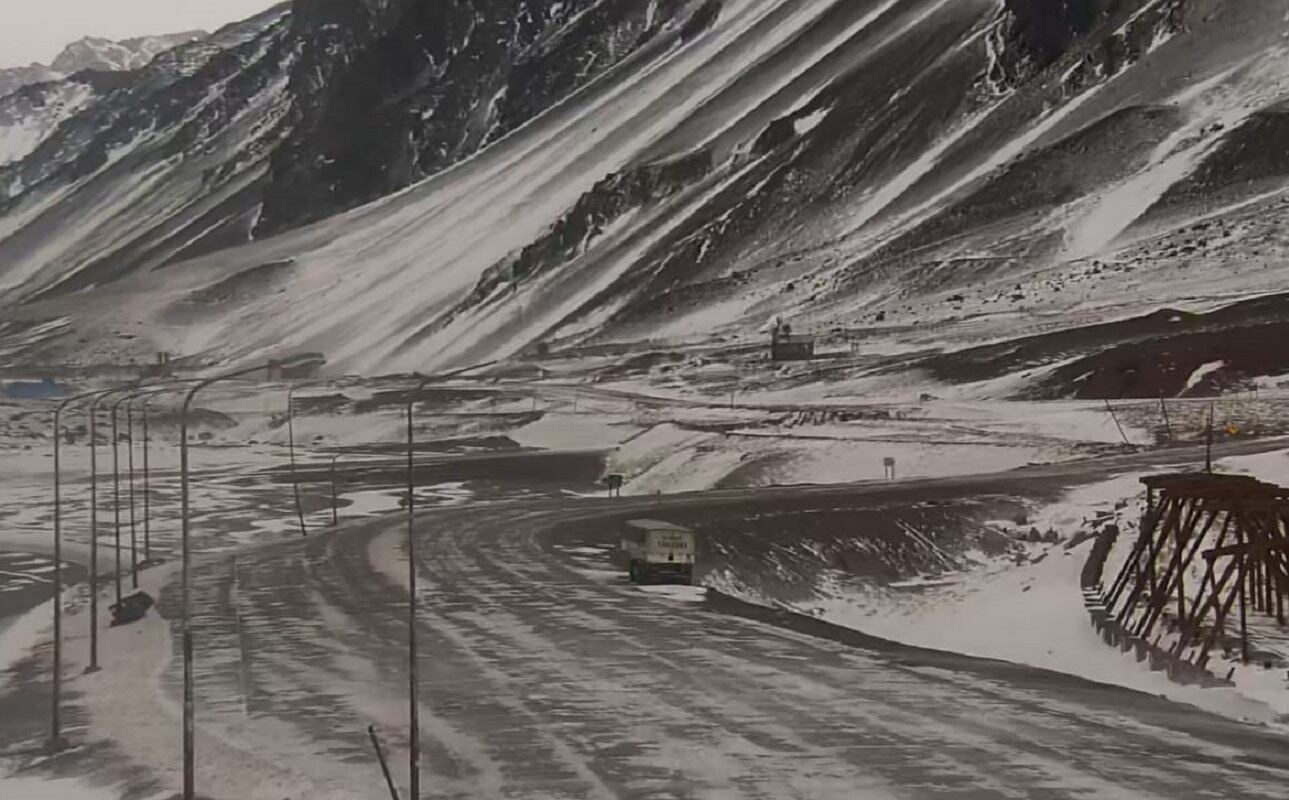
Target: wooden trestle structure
<point x="1238" y="526"/>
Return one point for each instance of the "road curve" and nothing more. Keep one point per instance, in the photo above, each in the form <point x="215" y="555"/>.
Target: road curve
<point x="541" y="678"/>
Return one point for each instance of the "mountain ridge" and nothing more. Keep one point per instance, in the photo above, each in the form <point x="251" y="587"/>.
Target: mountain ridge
<point x="915" y="172"/>
<point x="95" y="53"/>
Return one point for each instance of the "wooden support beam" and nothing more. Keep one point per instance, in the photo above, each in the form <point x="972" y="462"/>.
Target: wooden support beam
<point x="1253" y="549"/>
<point x="1129" y="568"/>
<point x="1223" y="607"/>
<point x="1189" y="542"/>
<point x="1210" y="594"/>
<point x="1268" y="587"/>
<point x="1152" y="552"/>
<point x="1242" y="560"/>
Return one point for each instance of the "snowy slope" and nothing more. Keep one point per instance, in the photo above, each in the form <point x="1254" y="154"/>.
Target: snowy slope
<point x="966" y="168"/>
<point x="28" y="117"/>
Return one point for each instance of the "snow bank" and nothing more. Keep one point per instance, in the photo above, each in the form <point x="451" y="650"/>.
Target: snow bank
<point x="574" y="432"/>
<point x="21" y="637"/>
<point x="16" y="787"/>
<point x="1031" y="613"/>
<point x="1271" y="467"/>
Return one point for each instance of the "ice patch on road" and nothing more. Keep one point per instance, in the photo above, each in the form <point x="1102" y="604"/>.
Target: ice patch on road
<point x="685" y="594"/>
<point x="601" y="575"/>
<point x="585" y="551"/>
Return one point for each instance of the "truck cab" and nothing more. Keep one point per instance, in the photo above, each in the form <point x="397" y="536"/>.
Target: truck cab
<point x="658" y="552"/>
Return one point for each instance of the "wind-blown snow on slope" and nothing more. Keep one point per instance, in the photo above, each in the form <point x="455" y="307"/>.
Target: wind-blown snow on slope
<point x="844" y="163"/>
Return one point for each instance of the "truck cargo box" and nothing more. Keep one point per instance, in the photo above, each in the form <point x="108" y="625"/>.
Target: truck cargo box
<point x="658" y="551"/>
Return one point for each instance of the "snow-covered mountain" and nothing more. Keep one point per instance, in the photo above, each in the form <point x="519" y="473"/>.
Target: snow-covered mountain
<point x="95" y="53"/>
<point x="14" y="78"/>
<point x="105" y="55"/>
<point x="418" y="185"/>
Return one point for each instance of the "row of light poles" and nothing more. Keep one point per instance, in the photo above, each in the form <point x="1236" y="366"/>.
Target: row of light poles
<point x="136" y="390"/>
<point x="96" y="397"/>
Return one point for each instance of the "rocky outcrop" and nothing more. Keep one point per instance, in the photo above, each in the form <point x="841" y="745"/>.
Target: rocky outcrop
<point x="431" y="83"/>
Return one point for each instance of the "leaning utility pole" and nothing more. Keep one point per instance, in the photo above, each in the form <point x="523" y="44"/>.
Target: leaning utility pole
<point x="1110" y="410"/>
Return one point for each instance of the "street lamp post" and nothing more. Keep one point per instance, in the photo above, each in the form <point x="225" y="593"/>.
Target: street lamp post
<point x="56" y="720"/>
<point x="189" y="751"/>
<point x="413" y="680"/>
<point x="147" y="473"/>
<point x="93" y="434"/>
<point x="116" y="490"/>
<point x="147" y="490"/>
<point x="290" y="438"/>
<point x="134" y="536"/>
<point x="56" y="741"/>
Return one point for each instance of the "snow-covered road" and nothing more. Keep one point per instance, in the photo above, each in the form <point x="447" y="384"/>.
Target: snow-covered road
<point x="545" y="675"/>
<point x="542" y="679"/>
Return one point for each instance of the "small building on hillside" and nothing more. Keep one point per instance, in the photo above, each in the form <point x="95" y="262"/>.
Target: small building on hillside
<point x="160" y="368"/>
<point x="787" y="346"/>
<point x="306" y="366"/>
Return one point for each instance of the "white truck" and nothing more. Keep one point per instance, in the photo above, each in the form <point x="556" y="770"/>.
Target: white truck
<point x="657" y="552"/>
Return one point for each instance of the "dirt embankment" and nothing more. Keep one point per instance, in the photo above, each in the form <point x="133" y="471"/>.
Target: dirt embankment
<point x="1169" y="353"/>
<point x="791" y="554"/>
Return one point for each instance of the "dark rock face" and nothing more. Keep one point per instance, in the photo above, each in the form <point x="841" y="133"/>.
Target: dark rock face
<point x="387" y="93"/>
<point x="1043" y="29"/>
<point x="1037" y="33"/>
<point x="1145" y="357"/>
<point x="1254" y="154"/>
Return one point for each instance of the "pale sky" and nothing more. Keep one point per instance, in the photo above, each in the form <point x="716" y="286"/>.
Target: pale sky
<point x="36" y="30"/>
